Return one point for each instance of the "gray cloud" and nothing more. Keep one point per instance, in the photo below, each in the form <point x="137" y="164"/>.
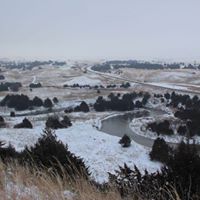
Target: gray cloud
<point x="94" y="29"/>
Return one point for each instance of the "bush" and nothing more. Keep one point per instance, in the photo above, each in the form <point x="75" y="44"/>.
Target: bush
<point x="84" y="107"/>
<point x="19" y="102"/>
<point x="179" y="178"/>
<point x="1" y="119"/>
<point x="12" y="114"/>
<point x="54" y="123"/>
<point x="66" y="122"/>
<point x="2" y="122"/>
<point x="125" y="141"/>
<point x="7" y="153"/>
<point x="37" y="102"/>
<point x="35" y="85"/>
<point x="160" y="151"/>
<point x="182" y="130"/>
<point x="2" y="77"/>
<point x="161" y="128"/>
<point x="68" y="110"/>
<point x="51" y="154"/>
<point x="184" y="170"/>
<point x="55" y="100"/>
<point x="24" y="124"/>
<point x="48" y="103"/>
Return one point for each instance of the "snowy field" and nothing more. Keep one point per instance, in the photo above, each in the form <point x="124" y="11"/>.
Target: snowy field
<point x="100" y="151"/>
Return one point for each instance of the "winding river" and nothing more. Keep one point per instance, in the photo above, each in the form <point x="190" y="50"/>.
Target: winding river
<point x="119" y="125"/>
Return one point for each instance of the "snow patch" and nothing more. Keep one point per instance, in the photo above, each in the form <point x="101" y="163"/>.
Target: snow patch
<point x="83" y="80"/>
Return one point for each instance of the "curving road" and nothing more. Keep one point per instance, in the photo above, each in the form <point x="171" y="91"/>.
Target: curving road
<point x="141" y="83"/>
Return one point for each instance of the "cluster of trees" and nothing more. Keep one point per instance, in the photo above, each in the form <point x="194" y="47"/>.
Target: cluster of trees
<point x="162" y="127"/>
<point x="76" y="85"/>
<point x="53" y="122"/>
<point x="188" y="110"/>
<point x="124" y="103"/>
<point x="182" y="100"/>
<point x="191" y="119"/>
<point x="125" y="85"/>
<point x="48" y="153"/>
<point x="117" y="64"/>
<point x="29" y="65"/>
<point x="13" y="86"/>
<point x="35" y="85"/>
<point x="22" y="102"/>
<point x="179" y="178"/>
<point x="83" y="107"/>
<point x="111" y="86"/>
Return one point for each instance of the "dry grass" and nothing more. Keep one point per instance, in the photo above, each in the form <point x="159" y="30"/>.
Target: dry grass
<point x="20" y="183"/>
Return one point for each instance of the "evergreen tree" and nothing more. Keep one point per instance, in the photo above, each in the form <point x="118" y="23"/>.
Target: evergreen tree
<point x="50" y="153"/>
<point x="160" y="151"/>
<point x="125" y="141"/>
<point x="48" y="103"/>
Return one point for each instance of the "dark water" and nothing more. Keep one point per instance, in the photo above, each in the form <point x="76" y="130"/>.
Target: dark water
<point x="119" y="125"/>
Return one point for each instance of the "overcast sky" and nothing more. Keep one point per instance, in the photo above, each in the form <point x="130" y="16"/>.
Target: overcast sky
<point x="100" y="29"/>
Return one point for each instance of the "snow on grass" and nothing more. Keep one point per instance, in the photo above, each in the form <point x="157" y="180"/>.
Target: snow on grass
<point x="100" y="151"/>
<point x="173" y="75"/>
<point x="83" y="80"/>
<point x="169" y="85"/>
<point x="20" y="138"/>
<point x="139" y="126"/>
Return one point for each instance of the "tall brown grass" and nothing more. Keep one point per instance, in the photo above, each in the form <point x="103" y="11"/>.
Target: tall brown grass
<point x="20" y="183"/>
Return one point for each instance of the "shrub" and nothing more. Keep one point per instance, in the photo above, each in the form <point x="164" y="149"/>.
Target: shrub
<point x="55" y="100"/>
<point x="2" y="121"/>
<point x="35" y="85"/>
<point x="7" y="153"/>
<point x="2" y="77"/>
<point x="19" y="102"/>
<point x="12" y="114"/>
<point x="125" y="141"/>
<point x="48" y="103"/>
<point x="161" y="128"/>
<point x="54" y="123"/>
<point x="179" y="178"/>
<point x="184" y="170"/>
<point x="24" y="124"/>
<point x="160" y="151"/>
<point x="37" y="102"/>
<point x="84" y="107"/>
<point x="51" y="154"/>
<point x="182" y="130"/>
<point x="66" y="122"/>
<point x="68" y="110"/>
